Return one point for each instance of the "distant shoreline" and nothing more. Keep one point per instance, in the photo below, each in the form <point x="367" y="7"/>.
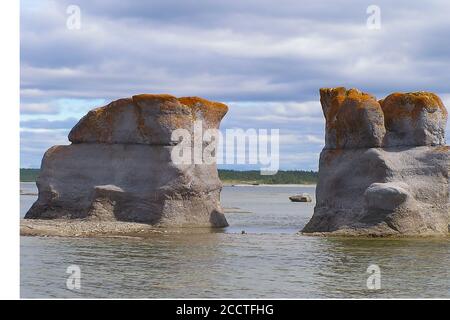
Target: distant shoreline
<point x="243" y="184"/>
<point x="234" y="177"/>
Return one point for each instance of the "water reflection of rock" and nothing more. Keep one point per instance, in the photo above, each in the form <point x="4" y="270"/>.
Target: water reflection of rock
<point x="404" y="266"/>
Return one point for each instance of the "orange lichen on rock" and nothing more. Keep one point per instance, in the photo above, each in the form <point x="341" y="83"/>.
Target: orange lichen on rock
<point x="414" y="118"/>
<point x="384" y="168"/>
<point x="146" y="119"/>
<point x="443" y="149"/>
<point x="354" y="119"/>
<point x="163" y="97"/>
<point x="411" y="105"/>
<point x="332" y="100"/>
<point x="98" y="122"/>
<point x="197" y="101"/>
<point x="212" y="111"/>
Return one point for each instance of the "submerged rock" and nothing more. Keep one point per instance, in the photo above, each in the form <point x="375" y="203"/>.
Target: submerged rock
<point x="119" y="166"/>
<point x="304" y="197"/>
<point x="382" y="177"/>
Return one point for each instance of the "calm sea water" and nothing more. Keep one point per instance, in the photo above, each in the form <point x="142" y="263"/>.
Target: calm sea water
<point x="269" y="261"/>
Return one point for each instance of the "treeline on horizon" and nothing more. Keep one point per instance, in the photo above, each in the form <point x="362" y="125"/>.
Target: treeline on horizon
<point x="28" y="175"/>
<point x="230" y="176"/>
<point x="281" y="177"/>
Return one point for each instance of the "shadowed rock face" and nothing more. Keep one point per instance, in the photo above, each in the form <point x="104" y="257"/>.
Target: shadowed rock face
<point x="384" y="168"/>
<point x="119" y="166"/>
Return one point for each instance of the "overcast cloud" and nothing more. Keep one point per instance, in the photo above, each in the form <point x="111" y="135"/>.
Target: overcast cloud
<point x="266" y="59"/>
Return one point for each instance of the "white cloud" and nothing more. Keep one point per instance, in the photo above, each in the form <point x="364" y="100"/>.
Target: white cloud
<point x="38" y="108"/>
<point x="268" y="60"/>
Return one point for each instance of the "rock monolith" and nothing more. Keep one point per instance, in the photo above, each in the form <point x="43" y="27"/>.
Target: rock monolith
<point x="384" y="168"/>
<point x="119" y="166"/>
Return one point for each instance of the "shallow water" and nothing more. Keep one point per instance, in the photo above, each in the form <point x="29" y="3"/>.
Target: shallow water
<point x="269" y="261"/>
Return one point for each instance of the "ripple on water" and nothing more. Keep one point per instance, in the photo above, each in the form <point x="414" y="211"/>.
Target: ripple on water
<point x="269" y="261"/>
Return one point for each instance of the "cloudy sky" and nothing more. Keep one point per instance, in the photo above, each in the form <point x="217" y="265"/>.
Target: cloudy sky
<point x="265" y="59"/>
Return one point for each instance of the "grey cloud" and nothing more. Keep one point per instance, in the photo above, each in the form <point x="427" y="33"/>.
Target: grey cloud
<point x="38" y="108"/>
<point x="147" y="46"/>
<point x="33" y="144"/>
<point x="47" y="124"/>
<point x="254" y="51"/>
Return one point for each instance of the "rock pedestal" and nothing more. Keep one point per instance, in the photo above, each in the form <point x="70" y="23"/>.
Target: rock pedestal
<point x="384" y="168"/>
<point x="119" y="166"/>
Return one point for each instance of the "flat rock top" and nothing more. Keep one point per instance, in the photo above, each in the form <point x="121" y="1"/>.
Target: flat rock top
<point x="411" y="105"/>
<point x="187" y="101"/>
<point x="355" y="119"/>
<point x="395" y="105"/>
<point x="332" y="100"/>
<point x="146" y="119"/>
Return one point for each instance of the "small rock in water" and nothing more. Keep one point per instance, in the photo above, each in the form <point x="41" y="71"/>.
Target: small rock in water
<point x="304" y="197"/>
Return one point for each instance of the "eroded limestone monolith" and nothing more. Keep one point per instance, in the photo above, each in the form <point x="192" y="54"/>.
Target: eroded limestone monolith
<point x="119" y="166"/>
<point x="384" y="168"/>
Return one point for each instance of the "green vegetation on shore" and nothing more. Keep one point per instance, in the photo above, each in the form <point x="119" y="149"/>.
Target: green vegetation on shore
<point x="255" y="177"/>
<point x="28" y="175"/>
<point x="229" y="177"/>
